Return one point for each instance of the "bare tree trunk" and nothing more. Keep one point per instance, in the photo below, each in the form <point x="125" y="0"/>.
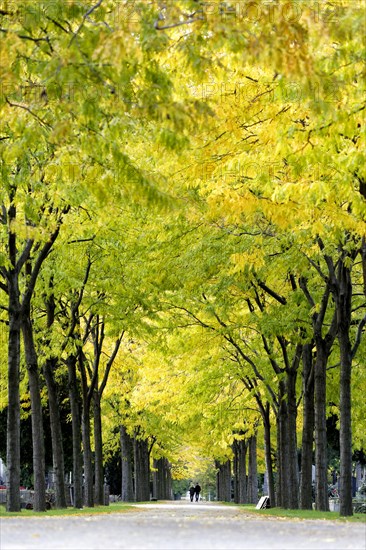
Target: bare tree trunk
<point x="287" y="465"/>
<point x="49" y="368"/>
<point x="87" y="458"/>
<point x="13" y="416"/>
<point x="321" y="486"/>
<point x="235" y="462"/>
<point x="56" y="433"/>
<point x="162" y="480"/>
<point x="76" y="433"/>
<point x="363" y="263"/>
<point x="240" y="447"/>
<point x="85" y="433"/>
<point x="323" y="344"/>
<point x="142" y="469"/>
<point x="127" y="490"/>
<point x="283" y="471"/>
<point x="97" y="391"/>
<point x="306" y="500"/>
<point x="344" y="299"/>
<point x="39" y="502"/>
<point x="98" y="453"/>
<point x="265" y="411"/>
<point x="223" y="481"/>
<point x="293" y="480"/>
<point x="252" y="471"/>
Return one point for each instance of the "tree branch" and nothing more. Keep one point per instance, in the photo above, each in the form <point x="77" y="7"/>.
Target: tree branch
<point x="25" y="108"/>
<point x="274" y="364"/>
<point x="110" y="363"/>
<point x="85" y="16"/>
<point x="4" y="287"/>
<point x="24" y="255"/>
<point x="304" y="287"/>
<point x="358" y="336"/>
<point x="45" y="250"/>
<point x="172" y="25"/>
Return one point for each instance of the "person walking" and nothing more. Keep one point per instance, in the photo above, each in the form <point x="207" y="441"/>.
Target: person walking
<point x="192" y="491"/>
<point x="197" y="491"/>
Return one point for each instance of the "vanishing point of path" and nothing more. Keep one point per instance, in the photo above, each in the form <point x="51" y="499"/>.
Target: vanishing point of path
<point x="178" y="526"/>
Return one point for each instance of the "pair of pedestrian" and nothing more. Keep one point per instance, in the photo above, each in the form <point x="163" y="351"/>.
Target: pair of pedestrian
<point x="194" y="492"/>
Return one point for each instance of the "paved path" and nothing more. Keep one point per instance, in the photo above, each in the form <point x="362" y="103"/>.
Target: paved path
<point x="178" y="526"/>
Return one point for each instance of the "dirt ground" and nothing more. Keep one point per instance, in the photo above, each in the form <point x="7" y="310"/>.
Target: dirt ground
<point x="179" y="526"/>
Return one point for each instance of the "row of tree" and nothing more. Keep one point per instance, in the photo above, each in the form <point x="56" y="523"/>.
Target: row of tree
<point x="183" y="227"/>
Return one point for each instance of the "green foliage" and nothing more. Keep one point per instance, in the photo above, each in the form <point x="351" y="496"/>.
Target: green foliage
<point x="195" y="165"/>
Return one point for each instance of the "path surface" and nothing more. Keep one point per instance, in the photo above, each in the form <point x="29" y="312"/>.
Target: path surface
<point x="178" y="526"/>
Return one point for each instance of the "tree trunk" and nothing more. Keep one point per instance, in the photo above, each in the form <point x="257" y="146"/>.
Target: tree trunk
<point x="49" y="367"/>
<point x="265" y="411"/>
<point x="345" y="434"/>
<point x="306" y="500"/>
<point x="321" y="486"/>
<point x="127" y="491"/>
<point x="363" y="262"/>
<point x="323" y="346"/>
<point x="252" y="471"/>
<point x="142" y="469"/>
<point x="287" y="465"/>
<point x="56" y="433"/>
<point x="76" y="433"/>
<point x="240" y="471"/>
<point x="87" y="458"/>
<point x="223" y="481"/>
<point x="293" y="479"/>
<point x="39" y="502"/>
<point x="13" y="416"/>
<point x="162" y="480"/>
<point x="283" y="459"/>
<point x="98" y="446"/>
<point x="86" y="434"/>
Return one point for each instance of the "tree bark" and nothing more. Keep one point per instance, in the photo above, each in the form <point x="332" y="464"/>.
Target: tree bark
<point x="265" y="411"/>
<point x="323" y="346"/>
<point x="344" y="299"/>
<point x="306" y="500"/>
<point x="363" y="262"/>
<point x="142" y="469"/>
<point x="76" y="432"/>
<point x="97" y="392"/>
<point x="293" y="480"/>
<point x="252" y="471"/>
<point x="223" y="481"/>
<point x="240" y="447"/>
<point x="287" y="463"/>
<point x="56" y="433"/>
<point x="235" y="472"/>
<point x="86" y="433"/>
<point x="49" y="368"/>
<point x="283" y="471"/>
<point x="127" y="490"/>
<point x="13" y="416"/>
<point x="321" y="486"/>
<point x="162" y="480"/>
<point x="39" y="501"/>
<point x="98" y="451"/>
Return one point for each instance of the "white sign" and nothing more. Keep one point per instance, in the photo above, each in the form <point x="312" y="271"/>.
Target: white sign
<point x="263" y="503"/>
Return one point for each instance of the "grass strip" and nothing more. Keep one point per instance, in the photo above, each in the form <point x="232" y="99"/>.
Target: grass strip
<point x="304" y="514"/>
<point x="115" y="507"/>
<point x="121" y="507"/>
